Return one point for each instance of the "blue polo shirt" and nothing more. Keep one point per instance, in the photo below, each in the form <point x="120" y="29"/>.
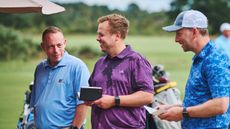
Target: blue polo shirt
<point x="124" y="74"/>
<point x="209" y="78"/>
<point x="54" y="94"/>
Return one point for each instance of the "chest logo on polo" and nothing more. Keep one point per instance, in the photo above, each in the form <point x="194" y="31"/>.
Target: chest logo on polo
<point x="60" y="80"/>
<point x="121" y="72"/>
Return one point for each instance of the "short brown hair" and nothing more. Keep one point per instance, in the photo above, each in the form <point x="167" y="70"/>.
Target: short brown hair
<point x="203" y="31"/>
<point x="50" y="29"/>
<point x="118" y="23"/>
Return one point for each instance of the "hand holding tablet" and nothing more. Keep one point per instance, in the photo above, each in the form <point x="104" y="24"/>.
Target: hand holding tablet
<point x="90" y="93"/>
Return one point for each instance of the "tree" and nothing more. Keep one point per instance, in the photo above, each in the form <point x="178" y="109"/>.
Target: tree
<point x="217" y="11"/>
<point x="14" y="46"/>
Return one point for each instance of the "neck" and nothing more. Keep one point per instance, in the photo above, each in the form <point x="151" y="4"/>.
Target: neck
<point x="118" y="48"/>
<point x="52" y="64"/>
<point x="201" y="42"/>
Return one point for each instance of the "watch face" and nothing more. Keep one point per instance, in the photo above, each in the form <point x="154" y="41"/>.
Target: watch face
<point x="185" y="113"/>
<point x="75" y="127"/>
<point x="117" y="101"/>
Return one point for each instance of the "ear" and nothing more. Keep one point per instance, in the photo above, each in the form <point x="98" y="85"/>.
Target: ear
<point x="195" y="33"/>
<point x="65" y="42"/>
<point x="42" y="45"/>
<point x="117" y="36"/>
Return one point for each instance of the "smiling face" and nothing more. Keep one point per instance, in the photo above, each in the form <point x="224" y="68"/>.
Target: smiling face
<point x="54" y="46"/>
<point x="105" y="38"/>
<point x="184" y="38"/>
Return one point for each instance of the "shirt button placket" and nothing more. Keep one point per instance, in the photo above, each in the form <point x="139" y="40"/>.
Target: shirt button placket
<point x="49" y="78"/>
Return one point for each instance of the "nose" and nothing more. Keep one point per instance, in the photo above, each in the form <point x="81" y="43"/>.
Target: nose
<point x="177" y="39"/>
<point x="55" y="49"/>
<point x="98" y="38"/>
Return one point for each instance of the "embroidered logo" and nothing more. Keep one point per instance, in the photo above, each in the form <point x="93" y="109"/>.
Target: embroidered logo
<point x="121" y="71"/>
<point x="60" y="80"/>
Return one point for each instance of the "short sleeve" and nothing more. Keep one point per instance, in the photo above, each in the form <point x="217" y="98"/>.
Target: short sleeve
<point x="82" y="78"/>
<point x="218" y="75"/>
<point x="142" y="74"/>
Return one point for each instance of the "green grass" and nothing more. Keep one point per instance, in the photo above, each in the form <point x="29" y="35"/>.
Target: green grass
<point x="16" y="75"/>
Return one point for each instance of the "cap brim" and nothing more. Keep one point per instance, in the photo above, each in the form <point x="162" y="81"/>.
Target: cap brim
<point x="171" y="28"/>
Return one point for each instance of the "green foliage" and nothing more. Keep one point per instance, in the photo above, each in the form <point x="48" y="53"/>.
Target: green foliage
<point x="85" y="51"/>
<point x="217" y="11"/>
<point x="81" y="18"/>
<point x="88" y="52"/>
<point x="14" y="46"/>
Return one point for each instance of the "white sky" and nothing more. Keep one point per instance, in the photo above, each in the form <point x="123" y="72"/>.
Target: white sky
<point x="149" y="5"/>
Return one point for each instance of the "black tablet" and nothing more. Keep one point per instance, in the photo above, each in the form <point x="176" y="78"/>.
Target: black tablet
<point x="90" y="93"/>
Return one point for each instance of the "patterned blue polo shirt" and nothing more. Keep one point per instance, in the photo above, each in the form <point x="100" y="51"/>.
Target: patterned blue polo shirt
<point x="209" y="78"/>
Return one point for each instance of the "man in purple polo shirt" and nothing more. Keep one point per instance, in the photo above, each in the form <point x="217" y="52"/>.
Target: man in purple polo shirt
<point x="125" y="77"/>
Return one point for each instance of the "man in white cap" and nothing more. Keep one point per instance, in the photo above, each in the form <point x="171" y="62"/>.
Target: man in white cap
<point x="206" y="100"/>
<point x="223" y="41"/>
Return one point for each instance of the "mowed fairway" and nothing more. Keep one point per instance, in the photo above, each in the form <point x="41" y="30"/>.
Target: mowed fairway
<point x="15" y="76"/>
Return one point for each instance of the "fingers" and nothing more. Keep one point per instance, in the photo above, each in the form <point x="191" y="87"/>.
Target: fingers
<point x="97" y="102"/>
<point x="89" y="103"/>
<point x="163" y="116"/>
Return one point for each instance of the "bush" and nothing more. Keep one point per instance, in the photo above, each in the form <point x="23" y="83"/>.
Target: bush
<point x="14" y="46"/>
<point x="88" y="52"/>
<point x="84" y="52"/>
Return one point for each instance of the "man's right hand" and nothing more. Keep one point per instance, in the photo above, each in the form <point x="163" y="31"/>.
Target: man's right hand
<point x="105" y="102"/>
<point x="89" y="103"/>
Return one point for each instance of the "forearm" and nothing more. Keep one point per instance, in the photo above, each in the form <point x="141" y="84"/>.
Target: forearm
<point x="136" y="99"/>
<point x="80" y="115"/>
<point x="210" y="108"/>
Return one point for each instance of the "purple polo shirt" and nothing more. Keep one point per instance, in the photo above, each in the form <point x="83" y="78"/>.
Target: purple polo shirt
<point x="124" y="74"/>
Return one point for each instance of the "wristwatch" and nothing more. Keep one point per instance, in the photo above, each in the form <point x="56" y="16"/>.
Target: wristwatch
<point x="185" y="113"/>
<point x="117" y="101"/>
<point x="74" y="127"/>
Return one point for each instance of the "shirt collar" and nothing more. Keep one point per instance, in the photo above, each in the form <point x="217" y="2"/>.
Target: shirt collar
<point x="123" y="53"/>
<point x="61" y="63"/>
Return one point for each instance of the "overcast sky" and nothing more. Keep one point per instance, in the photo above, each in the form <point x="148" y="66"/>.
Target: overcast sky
<point x="149" y="5"/>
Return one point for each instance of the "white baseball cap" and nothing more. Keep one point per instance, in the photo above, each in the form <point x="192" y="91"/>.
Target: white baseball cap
<point x="224" y="26"/>
<point x="188" y="19"/>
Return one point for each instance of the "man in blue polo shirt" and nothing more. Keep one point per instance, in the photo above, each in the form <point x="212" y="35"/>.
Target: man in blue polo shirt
<point x="206" y="100"/>
<point x="125" y="77"/>
<point x="223" y="41"/>
<point x="57" y="81"/>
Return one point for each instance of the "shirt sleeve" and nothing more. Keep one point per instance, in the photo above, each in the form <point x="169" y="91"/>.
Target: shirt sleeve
<point x="218" y="75"/>
<point x="142" y="74"/>
<point x="81" y="80"/>
<point x="32" y="96"/>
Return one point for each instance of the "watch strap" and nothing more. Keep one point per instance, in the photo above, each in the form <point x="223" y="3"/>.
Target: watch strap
<point x="117" y="101"/>
<point x="74" y="127"/>
<point x="185" y="112"/>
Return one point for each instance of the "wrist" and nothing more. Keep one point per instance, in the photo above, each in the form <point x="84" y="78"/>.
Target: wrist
<point x="117" y="101"/>
<point x="74" y="127"/>
<point x="185" y="113"/>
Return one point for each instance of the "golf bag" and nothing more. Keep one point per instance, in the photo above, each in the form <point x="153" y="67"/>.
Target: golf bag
<point x="165" y="92"/>
<point x="26" y="119"/>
